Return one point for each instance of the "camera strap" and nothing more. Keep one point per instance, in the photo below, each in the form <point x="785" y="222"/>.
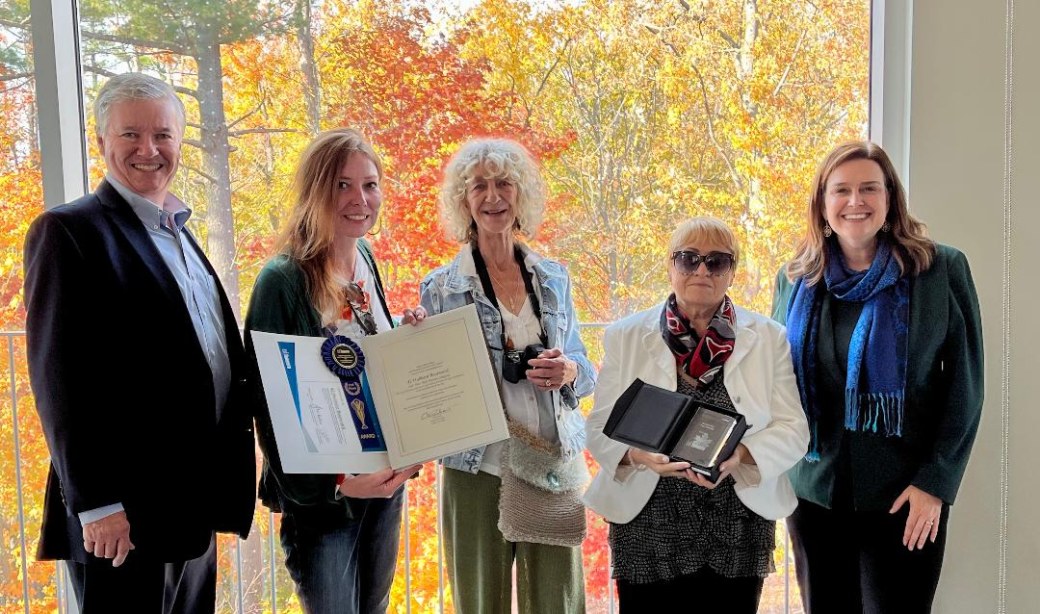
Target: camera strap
<point x="489" y="290"/>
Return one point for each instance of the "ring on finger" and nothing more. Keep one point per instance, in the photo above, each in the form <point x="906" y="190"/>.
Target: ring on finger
<point x="548" y="382"/>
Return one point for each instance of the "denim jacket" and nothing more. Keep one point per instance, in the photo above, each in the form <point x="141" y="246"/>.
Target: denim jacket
<point x="457" y="285"/>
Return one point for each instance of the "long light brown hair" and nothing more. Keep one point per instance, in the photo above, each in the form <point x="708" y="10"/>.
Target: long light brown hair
<point x="913" y="250"/>
<point x="309" y="237"/>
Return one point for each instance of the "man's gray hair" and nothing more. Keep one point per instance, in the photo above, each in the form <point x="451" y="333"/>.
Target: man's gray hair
<point x="133" y="86"/>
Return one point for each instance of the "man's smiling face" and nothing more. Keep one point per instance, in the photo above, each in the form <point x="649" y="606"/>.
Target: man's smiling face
<point x="142" y="146"/>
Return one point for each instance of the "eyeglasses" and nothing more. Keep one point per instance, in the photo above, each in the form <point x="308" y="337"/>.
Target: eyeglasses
<point x="717" y="263"/>
<point x="355" y="296"/>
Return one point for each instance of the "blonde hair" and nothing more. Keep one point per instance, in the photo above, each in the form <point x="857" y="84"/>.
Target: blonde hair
<point x="707" y="229"/>
<point x="309" y="238"/>
<point x="494" y="159"/>
<point x="913" y="250"/>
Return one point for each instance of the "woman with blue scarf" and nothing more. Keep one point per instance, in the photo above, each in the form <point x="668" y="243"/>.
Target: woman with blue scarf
<point x="886" y="341"/>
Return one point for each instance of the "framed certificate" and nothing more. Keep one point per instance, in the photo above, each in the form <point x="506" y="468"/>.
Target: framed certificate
<point x="357" y="405"/>
<point x="435" y="388"/>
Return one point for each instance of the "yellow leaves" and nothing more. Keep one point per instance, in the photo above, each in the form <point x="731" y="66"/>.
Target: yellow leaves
<point x="647" y="110"/>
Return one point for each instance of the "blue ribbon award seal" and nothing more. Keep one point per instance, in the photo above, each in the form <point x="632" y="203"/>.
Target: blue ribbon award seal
<point x="345" y="359"/>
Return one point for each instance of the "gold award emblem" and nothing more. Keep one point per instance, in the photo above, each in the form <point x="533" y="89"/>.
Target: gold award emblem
<point x="352" y="388"/>
<point x="344" y="356"/>
<point x="359" y="410"/>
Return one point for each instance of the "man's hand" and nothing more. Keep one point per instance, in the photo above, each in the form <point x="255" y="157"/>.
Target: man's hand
<point x="109" y="538"/>
<point x="379" y="485"/>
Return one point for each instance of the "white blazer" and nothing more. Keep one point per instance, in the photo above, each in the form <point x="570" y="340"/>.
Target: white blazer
<point x="761" y="383"/>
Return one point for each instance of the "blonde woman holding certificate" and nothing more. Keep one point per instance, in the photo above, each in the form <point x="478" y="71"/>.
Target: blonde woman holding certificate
<point x="339" y="533"/>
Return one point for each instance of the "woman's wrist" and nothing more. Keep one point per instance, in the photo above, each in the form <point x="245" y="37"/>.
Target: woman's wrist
<point x="745" y="455"/>
<point x="570" y="371"/>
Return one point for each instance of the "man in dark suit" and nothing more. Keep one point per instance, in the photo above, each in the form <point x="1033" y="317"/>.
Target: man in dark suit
<point x="138" y="370"/>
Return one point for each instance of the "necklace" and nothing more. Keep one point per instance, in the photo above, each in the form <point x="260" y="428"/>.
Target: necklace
<point x="513" y="298"/>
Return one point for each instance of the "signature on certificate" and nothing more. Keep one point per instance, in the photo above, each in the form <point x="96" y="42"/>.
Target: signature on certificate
<point x="433" y="413"/>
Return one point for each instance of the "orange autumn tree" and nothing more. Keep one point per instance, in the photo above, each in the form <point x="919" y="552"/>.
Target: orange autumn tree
<point x="21" y="199"/>
<point x="427" y="102"/>
<point x="418" y="100"/>
<point x="641" y="112"/>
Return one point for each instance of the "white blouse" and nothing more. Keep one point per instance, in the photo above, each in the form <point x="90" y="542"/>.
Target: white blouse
<point x="520" y="401"/>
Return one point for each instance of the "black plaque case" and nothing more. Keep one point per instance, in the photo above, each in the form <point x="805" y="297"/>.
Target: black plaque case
<point x="654" y="419"/>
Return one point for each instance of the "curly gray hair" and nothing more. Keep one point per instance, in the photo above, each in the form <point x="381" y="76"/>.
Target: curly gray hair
<point x="491" y="159"/>
<point x="133" y="86"/>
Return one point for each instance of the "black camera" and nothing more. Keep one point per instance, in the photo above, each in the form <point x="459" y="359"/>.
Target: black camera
<point x="514" y="362"/>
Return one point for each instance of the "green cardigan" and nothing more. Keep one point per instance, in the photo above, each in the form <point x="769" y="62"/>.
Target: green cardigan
<point x="281" y="304"/>
<point x="944" y="391"/>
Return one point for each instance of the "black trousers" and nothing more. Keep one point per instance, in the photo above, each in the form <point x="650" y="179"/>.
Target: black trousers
<point x="144" y="587"/>
<point x="855" y="562"/>
<point x="702" y="592"/>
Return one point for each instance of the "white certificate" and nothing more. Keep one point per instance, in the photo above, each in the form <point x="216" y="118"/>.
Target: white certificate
<point x="427" y="391"/>
<point x="434" y="388"/>
<point x="315" y="428"/>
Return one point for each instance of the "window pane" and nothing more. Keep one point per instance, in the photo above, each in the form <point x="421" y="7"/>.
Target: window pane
<point x="21" y="187"/>
<point x="643" y="113"/>
<point x="23" y="472"/>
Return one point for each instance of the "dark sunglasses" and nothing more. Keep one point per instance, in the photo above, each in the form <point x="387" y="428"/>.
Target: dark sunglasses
<point x="717" y="263"/>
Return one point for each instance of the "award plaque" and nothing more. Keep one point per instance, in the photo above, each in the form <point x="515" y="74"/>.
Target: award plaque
<point x="706" y="441"/>
<point x="657" y="420"/>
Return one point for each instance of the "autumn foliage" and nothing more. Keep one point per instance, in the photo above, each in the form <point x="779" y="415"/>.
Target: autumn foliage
<point x="642" y="113"/>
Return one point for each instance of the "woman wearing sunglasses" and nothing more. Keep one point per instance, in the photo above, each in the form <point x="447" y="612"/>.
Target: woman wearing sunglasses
<point x="339" y="533"/>
<point x="886" y="340"/>
<point x="674" y="534"/>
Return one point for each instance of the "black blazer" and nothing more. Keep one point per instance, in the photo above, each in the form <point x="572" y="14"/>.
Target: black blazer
<point x="124" y="392"/>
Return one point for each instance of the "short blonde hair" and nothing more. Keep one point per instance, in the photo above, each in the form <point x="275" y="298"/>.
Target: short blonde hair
<point x="707" y="229"/>
<point x="497" y="159"/>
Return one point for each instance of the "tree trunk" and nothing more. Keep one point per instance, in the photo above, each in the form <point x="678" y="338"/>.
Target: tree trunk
<point x="220" y="223"/>
<point x="754" y="204"/>
<point x="220" y="244"/>
<point x="311" y="87"/>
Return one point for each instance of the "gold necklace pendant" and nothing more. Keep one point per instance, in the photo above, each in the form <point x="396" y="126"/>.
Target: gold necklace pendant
<point x="511" y="295"/>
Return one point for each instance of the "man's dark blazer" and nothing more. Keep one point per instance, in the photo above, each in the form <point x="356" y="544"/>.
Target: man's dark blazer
<point x="124" y="391"/>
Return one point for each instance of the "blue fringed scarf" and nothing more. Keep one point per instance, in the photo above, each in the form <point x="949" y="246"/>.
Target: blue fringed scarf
<point x="876" y="372"/>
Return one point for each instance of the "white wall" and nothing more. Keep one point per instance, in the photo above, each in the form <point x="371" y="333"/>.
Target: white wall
<point x="957" y="177"/>
<point x="1023" y="529"/>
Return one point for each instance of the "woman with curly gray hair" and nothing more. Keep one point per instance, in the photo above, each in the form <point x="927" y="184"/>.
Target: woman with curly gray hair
<point x="518" y="500"/>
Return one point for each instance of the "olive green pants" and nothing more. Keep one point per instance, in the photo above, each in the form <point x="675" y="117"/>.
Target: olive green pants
<point x="550" y="579"/>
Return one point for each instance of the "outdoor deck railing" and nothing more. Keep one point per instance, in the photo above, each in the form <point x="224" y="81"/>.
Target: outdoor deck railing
<point x="232" y="595"/>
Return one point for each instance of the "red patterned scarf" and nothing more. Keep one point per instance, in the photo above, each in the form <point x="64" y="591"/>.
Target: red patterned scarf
<point x="700" y="357"/>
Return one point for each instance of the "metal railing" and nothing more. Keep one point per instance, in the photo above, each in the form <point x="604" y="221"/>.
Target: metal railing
<point x="65" y="598"/>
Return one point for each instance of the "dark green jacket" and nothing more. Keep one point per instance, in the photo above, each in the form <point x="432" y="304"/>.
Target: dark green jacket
<point x="281" y="304"/>
<point x="944" y="391"/>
